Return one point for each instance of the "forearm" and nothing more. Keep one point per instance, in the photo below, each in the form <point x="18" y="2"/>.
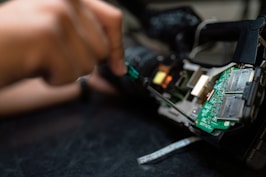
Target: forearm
<point x="32" y="94"/>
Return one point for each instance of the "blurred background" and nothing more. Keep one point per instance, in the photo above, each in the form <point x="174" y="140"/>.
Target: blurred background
<point x="222" y="10"/>
<point x="207" y="10"/>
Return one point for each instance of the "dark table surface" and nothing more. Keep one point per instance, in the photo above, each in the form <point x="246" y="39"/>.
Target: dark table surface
<point x="103" y="138"/>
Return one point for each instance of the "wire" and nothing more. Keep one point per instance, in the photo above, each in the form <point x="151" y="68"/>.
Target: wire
<point x="163" y="152"/>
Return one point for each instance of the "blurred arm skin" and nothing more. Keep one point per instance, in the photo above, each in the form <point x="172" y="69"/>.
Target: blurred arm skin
<point x="33" y="94"/>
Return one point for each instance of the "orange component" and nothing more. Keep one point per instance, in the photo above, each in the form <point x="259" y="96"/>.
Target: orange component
<point x="167" y="81"/>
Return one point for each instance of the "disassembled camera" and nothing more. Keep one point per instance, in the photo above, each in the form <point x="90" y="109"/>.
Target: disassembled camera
<point x="221" y="104"/>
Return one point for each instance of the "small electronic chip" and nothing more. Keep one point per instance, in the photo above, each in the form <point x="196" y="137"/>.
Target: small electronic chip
<point x="231" y="108"/>
<point x="238" y="80"/>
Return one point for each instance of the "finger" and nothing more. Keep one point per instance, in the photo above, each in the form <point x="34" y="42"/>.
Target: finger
<point x="58" y="62"/>
<point x="85" y="24"/>
<point x="96" y="82"/>
<point x="58" y="70"/>
<point x="111" y="20"/>
<point x="74" y="47"/>
<point x="91" y="30"/>
<point x="77" y="47"/>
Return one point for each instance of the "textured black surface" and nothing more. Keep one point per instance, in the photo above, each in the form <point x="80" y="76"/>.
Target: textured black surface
<point x="103" y="138"/>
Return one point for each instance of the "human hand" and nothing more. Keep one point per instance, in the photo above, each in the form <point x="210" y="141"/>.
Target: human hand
<point x="111" y="20"/>
<point x="58" y="40"/>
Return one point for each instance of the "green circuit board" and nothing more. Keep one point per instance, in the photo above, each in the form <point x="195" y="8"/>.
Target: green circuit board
<point x="207" y="117"/>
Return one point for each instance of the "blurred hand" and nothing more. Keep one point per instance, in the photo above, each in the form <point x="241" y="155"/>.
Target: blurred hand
<point x="58" y="40"/>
